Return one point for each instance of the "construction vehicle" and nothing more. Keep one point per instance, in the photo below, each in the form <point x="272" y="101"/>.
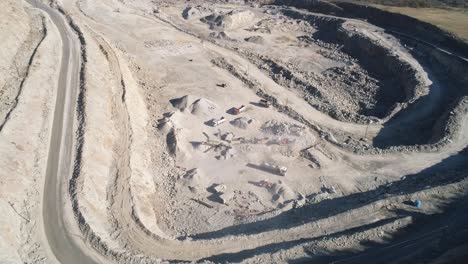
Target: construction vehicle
<point x="217" y="122"/>
<point x="214" y="144"/>
<point x="280" y="170"/>
<point x="264" y="103"/>
<point x="239" y="110"/>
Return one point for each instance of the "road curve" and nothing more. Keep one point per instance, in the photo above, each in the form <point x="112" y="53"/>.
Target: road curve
<point x="65" y="247"/>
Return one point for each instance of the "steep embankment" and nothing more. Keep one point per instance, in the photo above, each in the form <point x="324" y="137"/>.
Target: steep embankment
<point x="22" y="31"/>
<point x="400" y="79"/>
<point x="388" y="20"/>
<point x="436" y="51"/>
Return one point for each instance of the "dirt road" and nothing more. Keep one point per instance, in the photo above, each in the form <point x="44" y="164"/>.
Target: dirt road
<point x="61" y="242"/>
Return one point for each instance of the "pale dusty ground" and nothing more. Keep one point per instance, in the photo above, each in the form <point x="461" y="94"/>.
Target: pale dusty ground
<point x="24" y="138"/>
<point x="134" y="189"/>
<point x="170" y="65"/>
<point x="20" y="35"/>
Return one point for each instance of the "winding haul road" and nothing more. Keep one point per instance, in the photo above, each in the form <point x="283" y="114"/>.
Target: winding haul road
<point x="64" y="246"/>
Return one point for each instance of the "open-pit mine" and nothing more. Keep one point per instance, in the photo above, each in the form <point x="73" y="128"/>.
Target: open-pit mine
<point x="151" y="131"/>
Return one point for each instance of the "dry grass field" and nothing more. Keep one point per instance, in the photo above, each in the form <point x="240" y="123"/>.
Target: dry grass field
<point x="453" y="20"/>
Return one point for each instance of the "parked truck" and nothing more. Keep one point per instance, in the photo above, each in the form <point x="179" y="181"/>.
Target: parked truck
<point x="239" y="110"/>
<point x="217" y="122"/>
<point x="264" y="103"/>
<point x="273" y="168"/>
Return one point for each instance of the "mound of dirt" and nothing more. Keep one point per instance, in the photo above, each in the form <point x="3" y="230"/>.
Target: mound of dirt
<point x="198" y="107"/>
<point x="278" y="128"/>
<point x="241" y="122"/>
<point x="202" y="107"/>
<point x="255" y="39"/>
<point x="180" y="103"/>
<point x="232" y="20"/>
<point x="164" y="125"/>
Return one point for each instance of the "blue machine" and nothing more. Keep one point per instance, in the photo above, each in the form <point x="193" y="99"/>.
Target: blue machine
<point x="418" y="203"/>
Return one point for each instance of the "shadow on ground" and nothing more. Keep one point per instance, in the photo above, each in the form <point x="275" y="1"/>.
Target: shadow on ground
<point x="434" y="176"/>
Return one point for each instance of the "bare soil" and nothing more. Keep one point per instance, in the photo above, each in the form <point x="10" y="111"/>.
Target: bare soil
<point x="242" y="133"/>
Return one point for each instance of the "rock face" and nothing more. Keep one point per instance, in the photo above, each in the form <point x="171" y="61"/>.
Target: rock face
<point x="371" y="83"/>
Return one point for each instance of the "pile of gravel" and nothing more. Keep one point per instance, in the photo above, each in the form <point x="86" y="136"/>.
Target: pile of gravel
<point x="180" y="103"/>
<point x="241" y="122"/>
<point x="278" y="128"/>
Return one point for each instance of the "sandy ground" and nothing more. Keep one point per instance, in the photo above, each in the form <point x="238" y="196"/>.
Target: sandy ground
<point x="25" y="136"/>
<point x="153" y="179"/>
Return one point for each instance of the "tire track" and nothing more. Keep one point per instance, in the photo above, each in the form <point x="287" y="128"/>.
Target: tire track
<point x="118" y="192"/>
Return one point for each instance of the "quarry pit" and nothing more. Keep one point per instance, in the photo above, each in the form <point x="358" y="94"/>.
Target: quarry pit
<point x="229" y="132"/>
